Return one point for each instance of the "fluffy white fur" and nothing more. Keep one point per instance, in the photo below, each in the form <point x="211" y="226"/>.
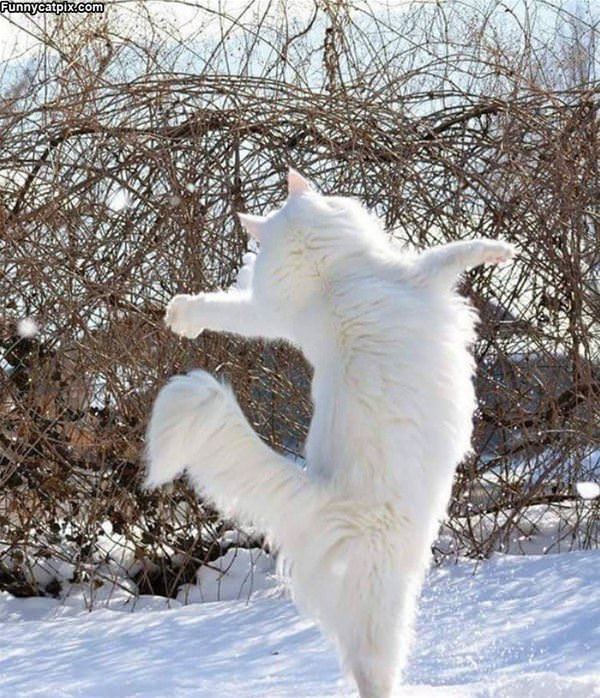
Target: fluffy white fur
<point x="388" y="338"/>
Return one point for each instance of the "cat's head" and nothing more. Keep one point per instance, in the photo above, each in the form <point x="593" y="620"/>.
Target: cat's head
<point x="308" y="214"/>
<point x="262" y="228"/>
<point x="301" y="242"/>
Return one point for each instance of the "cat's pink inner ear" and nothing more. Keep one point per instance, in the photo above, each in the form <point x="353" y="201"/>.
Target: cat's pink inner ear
<point x="252" y="224"/>
<point x="297" y="184"/>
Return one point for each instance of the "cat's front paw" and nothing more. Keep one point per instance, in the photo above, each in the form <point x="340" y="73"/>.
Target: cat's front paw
<point x="178" y="316"/>
<point x="496" y="251"/>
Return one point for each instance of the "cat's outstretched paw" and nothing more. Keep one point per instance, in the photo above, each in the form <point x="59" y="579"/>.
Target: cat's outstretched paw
<point x="178" y="316"/>
<point x="495" y="252"/>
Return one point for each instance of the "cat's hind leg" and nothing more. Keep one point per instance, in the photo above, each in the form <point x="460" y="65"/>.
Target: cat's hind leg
<point x="360" y="574"/>
<point x="375" y="650"/>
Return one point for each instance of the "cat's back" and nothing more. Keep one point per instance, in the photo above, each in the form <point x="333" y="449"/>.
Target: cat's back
<point x="367" y="309"/>
<point x="401" y="347"/>
<point x="397" y="392"/>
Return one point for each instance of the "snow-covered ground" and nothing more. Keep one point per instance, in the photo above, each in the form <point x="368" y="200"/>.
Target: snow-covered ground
<point x="520" y="627"/>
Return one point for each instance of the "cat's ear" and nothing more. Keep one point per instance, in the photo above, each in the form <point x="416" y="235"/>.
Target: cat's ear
<point x="297" y="184"/>
<point x="252" y="224"/>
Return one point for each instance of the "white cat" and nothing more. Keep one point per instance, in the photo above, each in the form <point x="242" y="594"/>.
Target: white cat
<point x="388" y="338"/>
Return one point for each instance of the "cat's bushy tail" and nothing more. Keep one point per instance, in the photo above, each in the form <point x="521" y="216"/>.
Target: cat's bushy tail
<point x="197" y="425"/>
<point x="346" y="560"/>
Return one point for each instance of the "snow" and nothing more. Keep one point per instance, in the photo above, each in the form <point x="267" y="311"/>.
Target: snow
<point x="526" y="627"/>
<point x="535" y="530"/>
<point x="588" y="490"/>
<point x="238" y="574"/>
<point x="119" y="200"/>
<point x="27" y="328"/>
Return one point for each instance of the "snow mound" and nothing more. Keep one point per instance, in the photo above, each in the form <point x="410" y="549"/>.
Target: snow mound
<point x="511" y="627"/>
<point x="236" y="575"/>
